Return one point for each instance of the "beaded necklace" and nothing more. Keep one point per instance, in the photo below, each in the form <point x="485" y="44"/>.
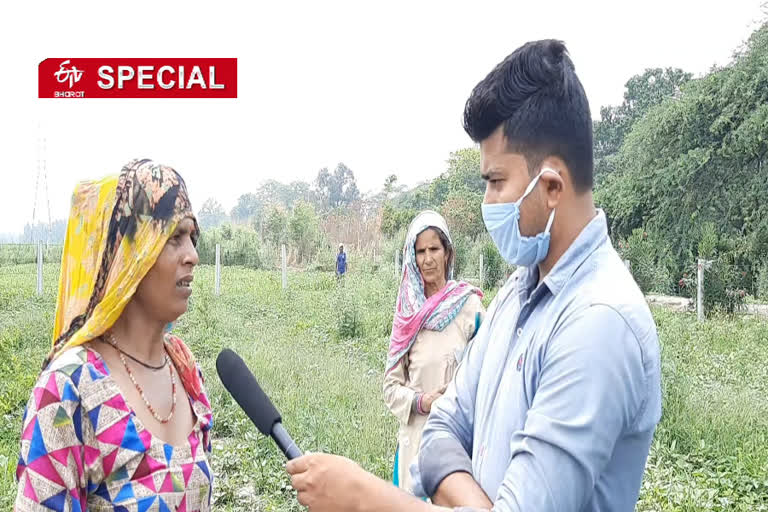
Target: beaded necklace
<point x="111" y="340"/>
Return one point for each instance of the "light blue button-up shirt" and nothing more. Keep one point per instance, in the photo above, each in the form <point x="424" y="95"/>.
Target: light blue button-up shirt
<point x="555" y="403"/>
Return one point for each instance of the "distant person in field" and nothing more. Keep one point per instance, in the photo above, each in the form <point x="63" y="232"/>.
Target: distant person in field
<point x="119" y="418"/>
<point x="341" y="262"/>
<point x="555" y="404"/>
<point x="435" y="319"/>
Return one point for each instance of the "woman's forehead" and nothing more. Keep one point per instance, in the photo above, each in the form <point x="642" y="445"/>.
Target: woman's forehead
<point x="427" y="236"/>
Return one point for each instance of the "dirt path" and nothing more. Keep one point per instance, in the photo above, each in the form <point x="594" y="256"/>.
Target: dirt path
<point x="685" y="304"/>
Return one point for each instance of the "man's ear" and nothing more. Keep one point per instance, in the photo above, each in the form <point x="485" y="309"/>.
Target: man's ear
<point x="555" y="180"/>
<point x="553" y="189"/>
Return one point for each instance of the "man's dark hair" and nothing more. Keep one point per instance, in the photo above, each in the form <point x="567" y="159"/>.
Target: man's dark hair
<point x="537" y="96"/>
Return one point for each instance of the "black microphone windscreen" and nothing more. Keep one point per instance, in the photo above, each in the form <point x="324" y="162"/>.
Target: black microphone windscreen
<point x="244" y="388"/>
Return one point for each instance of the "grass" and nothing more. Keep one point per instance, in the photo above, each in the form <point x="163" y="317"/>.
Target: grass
<point x="710" y="451"/>
<point x="318" y="350"/>
<point x="19" y="254"/>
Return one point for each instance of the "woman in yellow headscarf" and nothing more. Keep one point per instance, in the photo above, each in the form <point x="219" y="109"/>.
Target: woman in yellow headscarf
<point x="106" y="426"/>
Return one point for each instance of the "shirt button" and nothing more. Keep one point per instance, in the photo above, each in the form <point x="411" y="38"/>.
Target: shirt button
<point x="519" y="332"/>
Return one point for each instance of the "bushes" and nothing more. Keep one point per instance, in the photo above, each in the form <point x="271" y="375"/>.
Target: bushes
<point x="649" y="261"/>
<point x="727" y="281"/>
<point x="239" y="246"/>
<point x="495" y="269"/>
<point x="350" y="325"/>
<point x="761" y="284"/>
<point x="738" y="271"/>
<point x="461" y="260"/>
<point x="390" y="247"/>
<point x="722" y="292"/>
<point x="325" y="258"/>
<point x="18" y="254"/>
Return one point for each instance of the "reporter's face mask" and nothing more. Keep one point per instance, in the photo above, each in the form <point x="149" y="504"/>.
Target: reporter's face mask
<point x="502" y="220"/>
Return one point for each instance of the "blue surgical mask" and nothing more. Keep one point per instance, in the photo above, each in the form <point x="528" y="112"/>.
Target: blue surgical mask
<point x="502" y="220"/>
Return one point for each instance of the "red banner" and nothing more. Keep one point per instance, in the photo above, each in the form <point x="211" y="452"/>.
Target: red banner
<point x="137" y="78"/>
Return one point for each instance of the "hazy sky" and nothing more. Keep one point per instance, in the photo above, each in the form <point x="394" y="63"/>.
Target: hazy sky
<point x="379" y="86"/>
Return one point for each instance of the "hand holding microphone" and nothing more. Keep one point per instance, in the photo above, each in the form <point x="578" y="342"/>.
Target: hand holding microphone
<point x="242" y="385"/>
<point x="325" y="483"/>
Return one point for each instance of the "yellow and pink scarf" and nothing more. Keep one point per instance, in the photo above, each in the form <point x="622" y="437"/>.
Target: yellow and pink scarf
<point x="117" y="228"/>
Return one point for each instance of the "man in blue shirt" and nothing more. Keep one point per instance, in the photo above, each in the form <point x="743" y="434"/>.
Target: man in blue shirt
<point x="555" y="403"/>
<point x="341" y="262"/>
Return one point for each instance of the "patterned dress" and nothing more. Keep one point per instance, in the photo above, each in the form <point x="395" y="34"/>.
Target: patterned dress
<point x="83" y="448"/>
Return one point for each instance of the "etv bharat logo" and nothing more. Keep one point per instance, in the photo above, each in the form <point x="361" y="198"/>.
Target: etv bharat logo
<point x="137" y="78"/>
<point x="73" y="75"/>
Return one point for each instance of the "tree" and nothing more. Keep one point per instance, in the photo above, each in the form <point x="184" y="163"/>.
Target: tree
<point x="393" y="219"/>
<point x="457" y="193"/>
<point x="211" y="214"/>
<point x="462" y="176"/>
<point x="42" y="231"/>
<point x="300" y="191"/>
<point x="337" y="189"/>
<point x="303" y="228"/>
<point x="697" y="160"/>
<point x="391" y="187"/>
<point x="416" y="199"/>
<point x="272" y="191"/>
<point x="276" y="220"/>
<point x="248" y="207"/>
<point x="462" y="212"/>
<point x="643" y="92"/>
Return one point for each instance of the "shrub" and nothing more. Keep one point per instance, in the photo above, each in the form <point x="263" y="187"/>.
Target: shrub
<point x="461" y="259"/>
<point x="649" y="261"/>
<point x="239" y="246"/>
<point x="350" y="324"/>
<point x="495" y="268"/>
<point x="762" y="282"/>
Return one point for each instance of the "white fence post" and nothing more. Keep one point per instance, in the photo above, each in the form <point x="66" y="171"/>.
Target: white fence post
<point x="39" y="268"/>
<point x="395" y="264"/>
<point x="285" y="268"/>
<point x="628" y="264"/>
<point x="482" y="271"/>
<point x="218" y="270"/>
<point x="700" y="290"/>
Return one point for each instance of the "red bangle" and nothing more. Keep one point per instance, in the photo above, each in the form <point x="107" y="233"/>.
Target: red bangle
<point x="418" y="405"/>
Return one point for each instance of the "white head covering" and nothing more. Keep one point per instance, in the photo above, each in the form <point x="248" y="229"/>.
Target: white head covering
<point x="423" y="221"/>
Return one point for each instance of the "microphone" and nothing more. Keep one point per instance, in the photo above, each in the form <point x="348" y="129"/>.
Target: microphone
<point x="242" y="385"/>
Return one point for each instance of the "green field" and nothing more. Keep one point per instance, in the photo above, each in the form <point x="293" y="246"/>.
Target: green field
<point x="318" y="350"/>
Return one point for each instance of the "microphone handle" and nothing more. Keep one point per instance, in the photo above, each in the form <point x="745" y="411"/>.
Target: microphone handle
<point x="284" y="442"/>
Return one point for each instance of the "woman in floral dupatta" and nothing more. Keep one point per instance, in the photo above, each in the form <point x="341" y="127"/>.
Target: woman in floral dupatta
<point x="435" y="318"/>
<point x="106" y="426"/>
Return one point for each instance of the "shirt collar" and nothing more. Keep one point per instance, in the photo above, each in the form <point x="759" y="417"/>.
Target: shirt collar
<point x="594" y="234"/>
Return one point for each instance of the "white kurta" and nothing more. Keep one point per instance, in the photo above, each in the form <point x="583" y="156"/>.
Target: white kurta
<point x="429" y="365"/>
